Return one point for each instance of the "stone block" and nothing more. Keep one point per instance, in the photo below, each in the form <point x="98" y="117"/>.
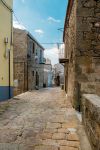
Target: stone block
<point x="53" y="125"/>
<point x="63" y="130"/>
<point x="72" y="137"/>
<point x="45" y="135"/>
<point x="67" y="148"/>
<point x="50" y="142"/>
<point x="69" y="125"/>
<point x="46" y="147"/>
<point x="89" y="4"/>
<point x="85" y="12"/>
<point x="74" y="144"/>
<point x="91" y="118"/>
<point x="59" y="136"/>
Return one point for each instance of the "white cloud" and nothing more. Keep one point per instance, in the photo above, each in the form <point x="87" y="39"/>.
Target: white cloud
<point x="39" y="31"/>
<point x="19" y="26"/>
<point x="51" y="19"/>
<point x="52" y="54"/>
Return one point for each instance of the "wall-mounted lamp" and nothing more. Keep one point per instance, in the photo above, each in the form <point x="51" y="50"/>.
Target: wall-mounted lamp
<point x="6" y="40"/>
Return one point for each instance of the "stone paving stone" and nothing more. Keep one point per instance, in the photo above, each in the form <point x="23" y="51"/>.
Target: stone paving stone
<point x="63" y="130"/>
<point x="46" y="147"/>
<point x="72" y="137"/>
<point x="25" y="147"/>
<point x="58" y="119"/>
<point x="68" y="148"/>
<point x="69" y="125"/>
<point x="8" y="135"/>
<point x="8" y="146"/>
<point x="59" y="136"/>
<point x="32" y="141"/>
<point x="53" y="125"/>
<point x="50" y="142"/>
<point x="45" y="135"/>
<point x="39" y="120"/>
<point x="74" y="144"/>
<point x="51" y="130"/>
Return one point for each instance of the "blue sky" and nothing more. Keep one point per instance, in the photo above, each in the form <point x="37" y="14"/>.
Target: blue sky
<point x="42" y="18"/>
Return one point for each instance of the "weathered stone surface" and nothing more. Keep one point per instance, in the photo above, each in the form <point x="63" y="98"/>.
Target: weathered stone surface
<point x="63" y="130"/>
<point x="46" y="147"/>
<point x="91" y="118"/>
<point x="25" y="122"/>
<point x="72" y="137"/>
<point x="69" y="125"/>
<point x="82" y="48"/>
<point x="46" y="135"/>
<point x="25" y="67"/>
<point x="53" y="125"/>
<point x="74" y="144"/>
<point x="67" y="148"/>
<point x="59" y="136"/>
<point x="49" y="142"/>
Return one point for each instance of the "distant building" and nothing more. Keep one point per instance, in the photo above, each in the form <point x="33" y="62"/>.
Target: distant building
<point x="58" y="72"/>
<point x="28" y="62"/>
<point x="6" y="50"/>
<point x="48" y="73"/>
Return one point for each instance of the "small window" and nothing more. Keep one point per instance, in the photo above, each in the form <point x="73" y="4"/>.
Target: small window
<point x="33" y="73"/>
<point x="33" y="47"/>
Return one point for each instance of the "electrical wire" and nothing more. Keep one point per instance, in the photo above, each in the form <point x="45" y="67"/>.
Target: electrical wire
<point x="6" y="5"/>
<point x="11" y="10"/>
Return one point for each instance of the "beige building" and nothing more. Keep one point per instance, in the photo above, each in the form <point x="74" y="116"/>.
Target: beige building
<point x="28" y="62"/>
<point x="6" y="49"/>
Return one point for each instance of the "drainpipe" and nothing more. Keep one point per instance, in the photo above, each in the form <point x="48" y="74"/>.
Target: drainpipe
<point x="9" y="78"/>
<point x="11" y="43"/>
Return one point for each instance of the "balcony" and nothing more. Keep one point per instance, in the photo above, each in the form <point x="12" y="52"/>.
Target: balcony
<point x="42" y="61"/>
<point x="63" y="60"/>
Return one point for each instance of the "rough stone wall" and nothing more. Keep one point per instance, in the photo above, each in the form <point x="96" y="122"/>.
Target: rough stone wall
<point x="24" y="62"/>
<point x="91" y="118"/>
<point x="88" y="46"/>
<point x="20" y="60"/>
<point x="82" y="48"/>
<point x="31" y="60"/>
<point x="20" y="44"/>
<point x="33" y="66"/>
<point x="70" y="48"/>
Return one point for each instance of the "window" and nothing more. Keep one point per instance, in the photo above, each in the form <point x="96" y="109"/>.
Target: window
<point x="33" y="47"/>
<point x="33" y="73"/>
<point x="41" y="61"/>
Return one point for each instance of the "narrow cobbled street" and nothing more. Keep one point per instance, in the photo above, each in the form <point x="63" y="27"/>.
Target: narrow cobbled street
<point x="40" y="120"/>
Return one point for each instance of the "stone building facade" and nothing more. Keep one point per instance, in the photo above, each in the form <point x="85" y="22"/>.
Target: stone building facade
<point x="82" y="49"/>
<point x="28" y="62"/>
<point x="48" y="74"/>
<point x="91" y="118"/>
